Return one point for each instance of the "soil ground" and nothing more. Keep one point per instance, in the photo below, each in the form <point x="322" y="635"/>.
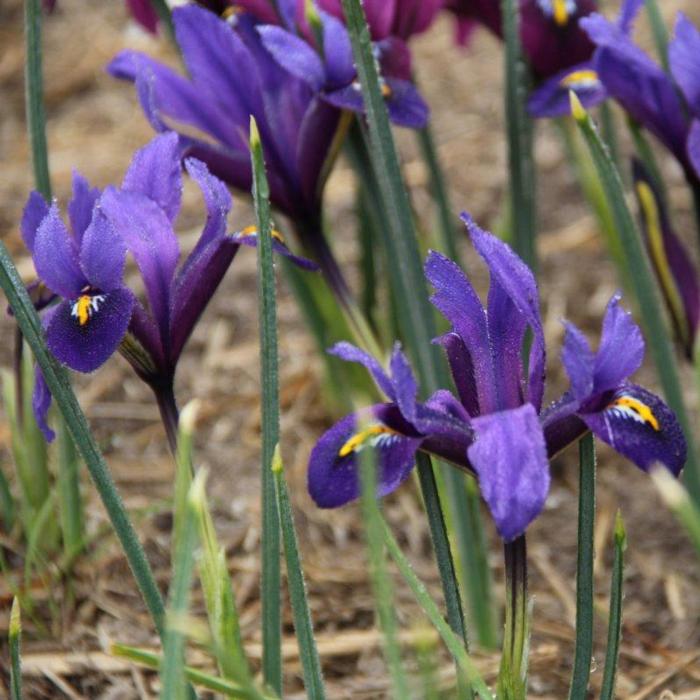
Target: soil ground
<point x="94" y="125"/>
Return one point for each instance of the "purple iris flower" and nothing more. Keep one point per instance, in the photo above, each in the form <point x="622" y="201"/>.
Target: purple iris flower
<point x="497" y="429"/>
<point x="549" y="29"/>
<point x="233" y="77"/>
<point x="673" y="266"/>
<point x="97" y="314"/>
<point x="333" y="75"/>
<point x="666" y="105"/>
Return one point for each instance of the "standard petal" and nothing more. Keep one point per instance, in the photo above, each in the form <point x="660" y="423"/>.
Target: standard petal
<point x="684" y="58"/>
<point x="456" y="299"/>
<point x="333" y="476"/>
<point x="155" y="172"/>
<point x="351" y="353"/>
<point x="579" y="362"/>
<point x="85" y="347"/>
<point x="462" y="368"/>
<point x="217" y="199"/>
<point x="150" y="238"/>
<point x="81" y="205"/>
<point x="510" y="459"/>
<point x="294" y="54"/>
<point x="41" y="403"/>
<point x="404" y="382"/>
<point x="102" y="254"/>
<point x="518" y="284"/>
<point x="35" y="211"/>
<point x="621" y="348"/>
<point x="250" y="239"/>
<point x="55" y="257"/>
<point x="194" y="288"/>
<point x="641" y="427"/>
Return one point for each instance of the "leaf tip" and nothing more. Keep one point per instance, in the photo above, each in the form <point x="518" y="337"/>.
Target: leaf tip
<point x="277" y="464"/>
<point x="578" y="111"/>
<point x="15" y="619"/>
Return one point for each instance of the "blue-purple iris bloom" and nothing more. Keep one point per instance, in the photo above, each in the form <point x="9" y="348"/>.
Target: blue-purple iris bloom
<point x="666" y="105"/>
<point x="332" y="75"/>
<point x="497" y="428"/>
<point x="96" y="313"/>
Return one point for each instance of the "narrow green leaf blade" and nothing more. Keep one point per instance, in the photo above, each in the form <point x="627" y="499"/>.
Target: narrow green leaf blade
<point x="310" y="662"/>
<point x="584" y="570"/>
<point x="615" y="617"/>
<point x="658" y="30"/>
<point x="269" y="380"/>
<point x="519" y="128"/>
<point x="15" y="654"/>
<point x="452" y="642"/>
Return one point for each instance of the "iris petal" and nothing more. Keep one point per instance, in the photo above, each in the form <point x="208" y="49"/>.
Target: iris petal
<point x="81" y="205"/>
<point x="510" y="459"/>
<point x="333" y="476"/>
<point x="102" y="254"/>
<point x="84" y="347"/>
<point x="641" y="427"/>
<point x="35" y="211"/>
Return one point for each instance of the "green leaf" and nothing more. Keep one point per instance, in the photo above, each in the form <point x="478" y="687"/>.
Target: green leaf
<point x="452" y="642"/>
<point x="520" y="139"/>
<point x="205" y="680"/>
<point x="15" y="655"/>
<point x="607" y="691"/>
<point x="172" y="675"/>
<point x="269" y="380"/>
<point x="645" y="289"/>
<point x="659" y="31"/>
<point x="584" y="570"/>
<point x="310" y="662"/>
<point x="381" y="583"/>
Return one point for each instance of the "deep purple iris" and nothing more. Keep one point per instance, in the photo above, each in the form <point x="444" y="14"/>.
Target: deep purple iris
<point x="666" y="105"/>
<point x="497" y="428"/>
<point x="549" y="31"/>
<point x="331" y="72"/>
<point x="96" y="313"/>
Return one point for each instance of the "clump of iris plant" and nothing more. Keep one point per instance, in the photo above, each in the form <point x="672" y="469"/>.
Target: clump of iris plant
<point x="301" y="98"/>
<point x="96" y="314"/>
<point x="496" y="426"/>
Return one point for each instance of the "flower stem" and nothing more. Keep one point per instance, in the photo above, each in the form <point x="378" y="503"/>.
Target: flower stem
<point x="315" y="239"/>
<point x="513" y="673"/>
<point x="169" y="414"/>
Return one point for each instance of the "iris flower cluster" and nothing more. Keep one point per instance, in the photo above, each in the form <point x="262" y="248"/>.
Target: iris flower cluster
<point x="94" y="313"/>
<point x="496" y="426"/>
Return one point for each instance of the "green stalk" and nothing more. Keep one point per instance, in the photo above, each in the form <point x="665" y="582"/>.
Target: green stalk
<point x="367" y="233"/>
<point x="446" y="222"/>
<point x="443" y="556"/>
<point x="174" y="686"/>
<point x="59" y="385"/>
<point x="34" y="94"/>
<point x="520" y="139"/>
<point x="381" y="583"/>
<point x="646" y="155"/>
<point x="269" y="380"/>
<point x="609" y="131"/>
<point x="677" y="500"/>
<point x="15" y="655"/>
<point x="162" y="9"/>
<point x="205" y="680"/>
<point x="512" y="678"/>
<point x="310" y="662"/>
<point x="584" y="570"/>
<point x="451" y="640"/>
<point x="645" y="288"/>
<point x="659" y="31"/>
<point x="70" y="503"/>
<point x="607" y="691"/>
